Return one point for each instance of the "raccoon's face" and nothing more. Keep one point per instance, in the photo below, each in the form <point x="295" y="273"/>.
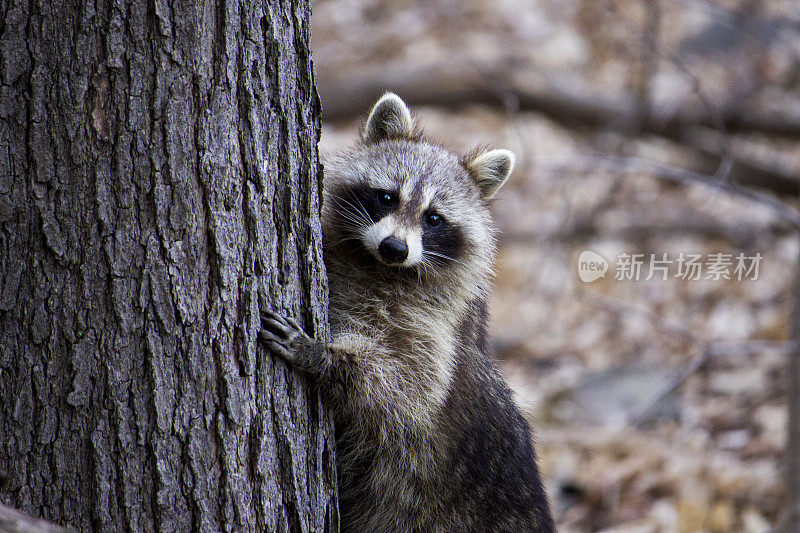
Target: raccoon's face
<point x="406" y="203"/>
<point x="405" y="216"/>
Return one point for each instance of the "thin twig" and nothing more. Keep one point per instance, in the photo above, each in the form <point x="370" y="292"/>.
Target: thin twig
<point x="626" y="165"/>
<point x="564" y="97"/>
<point x="619" y="307"/>
<point x="707" y="348"/>
<point x="683" y="373"/>
<point x="725" y="165"/>
<point x="734" y="21"/>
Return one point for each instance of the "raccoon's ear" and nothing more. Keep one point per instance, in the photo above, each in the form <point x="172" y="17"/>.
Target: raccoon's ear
<point x="490" y="171"/>
<point x="389" y="119"/>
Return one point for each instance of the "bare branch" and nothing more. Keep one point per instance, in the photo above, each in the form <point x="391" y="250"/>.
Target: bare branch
<point x="707" y="348"/>
<point x="684" y="222"/>
<point x="564" y="97"/>
<point x="627" y="165"/>
<point x="567" y="99"/>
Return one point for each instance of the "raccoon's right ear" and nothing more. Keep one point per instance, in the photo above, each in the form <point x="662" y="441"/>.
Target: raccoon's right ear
<point x="389" y="119"/>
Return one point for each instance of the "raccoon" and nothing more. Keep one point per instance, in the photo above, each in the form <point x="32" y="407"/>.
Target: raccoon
<point x="428" y="435"/>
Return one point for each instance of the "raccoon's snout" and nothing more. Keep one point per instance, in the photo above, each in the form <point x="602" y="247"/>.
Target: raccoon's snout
<point x="393" y="250"/>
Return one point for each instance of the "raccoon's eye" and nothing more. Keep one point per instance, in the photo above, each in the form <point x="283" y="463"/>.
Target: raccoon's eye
<point x="386" y="198"/>
<point x="433" y="219"/>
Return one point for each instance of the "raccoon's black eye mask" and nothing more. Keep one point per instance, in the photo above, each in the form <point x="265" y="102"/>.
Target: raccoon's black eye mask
<point x="387" y="199"/>
<point x="377" y="203"/>
<point x="434" y="219"/>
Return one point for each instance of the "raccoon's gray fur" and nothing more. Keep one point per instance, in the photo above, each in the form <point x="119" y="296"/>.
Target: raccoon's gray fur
<point x="428" y="435"/>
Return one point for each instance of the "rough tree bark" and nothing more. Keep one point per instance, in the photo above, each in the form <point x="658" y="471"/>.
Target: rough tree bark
<point x="159" y="182"/>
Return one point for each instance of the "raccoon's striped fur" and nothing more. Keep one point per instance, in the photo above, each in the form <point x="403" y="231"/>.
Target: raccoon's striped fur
<point x="428" y="435"/>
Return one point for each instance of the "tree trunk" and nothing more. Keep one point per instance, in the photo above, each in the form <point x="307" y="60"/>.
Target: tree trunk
<point x="159" y="182"/>
<point x="791" y="512"/>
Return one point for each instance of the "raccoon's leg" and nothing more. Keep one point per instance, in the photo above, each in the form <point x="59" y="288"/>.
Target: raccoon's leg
<point x="283" y="337"/>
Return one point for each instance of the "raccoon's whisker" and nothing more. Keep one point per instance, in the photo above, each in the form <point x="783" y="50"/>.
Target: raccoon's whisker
<point x="358" y="206"/>
<point x="346" y="239"/>
<point x="442" y="256"/>
<point x="355" y="214"/>
<point x="343" y="199"/>
<point x="427" y="267"/>
<point x="348" y="207"/>
<point x="345" y="205"/>
<point x="357" y="220"/>
<point x="433" y="263"/>
<point x="354" y="223"/>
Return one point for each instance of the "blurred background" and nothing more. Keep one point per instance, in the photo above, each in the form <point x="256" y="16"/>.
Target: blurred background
<point x="647" y="132"/>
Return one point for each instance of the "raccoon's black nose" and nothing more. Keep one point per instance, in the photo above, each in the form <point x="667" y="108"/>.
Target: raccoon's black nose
<point x="393" y="250"/>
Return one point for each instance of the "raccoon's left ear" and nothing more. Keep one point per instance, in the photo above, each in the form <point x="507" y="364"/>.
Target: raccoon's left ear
<point x="389" y="119"/>
<point x="490" y="171"/>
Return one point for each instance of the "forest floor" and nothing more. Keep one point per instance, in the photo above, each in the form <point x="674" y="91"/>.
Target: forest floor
<point x="657" y="404"/>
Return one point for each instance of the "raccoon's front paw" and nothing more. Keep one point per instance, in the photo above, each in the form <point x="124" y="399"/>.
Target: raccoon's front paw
<point x="282" y="336"/>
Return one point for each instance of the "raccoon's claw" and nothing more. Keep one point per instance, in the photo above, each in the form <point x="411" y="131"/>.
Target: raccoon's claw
<point x="281" y="335"/>
<point x="283" y="327"/>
